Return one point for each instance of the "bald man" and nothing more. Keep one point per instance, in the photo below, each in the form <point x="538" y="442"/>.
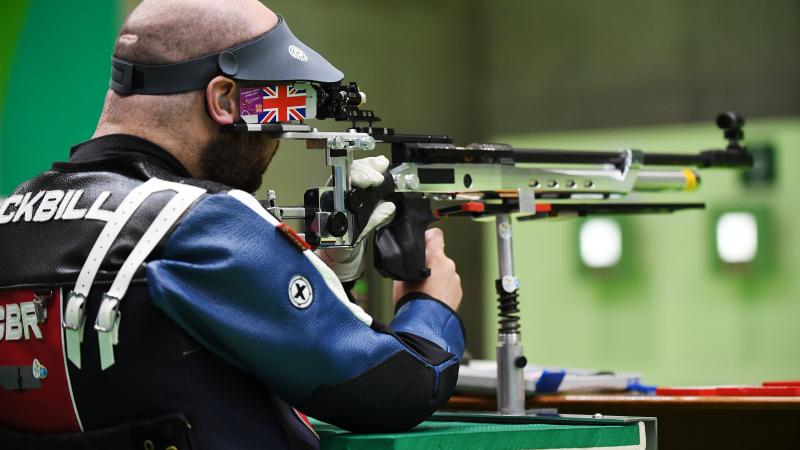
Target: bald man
<point x="147" y="300"/>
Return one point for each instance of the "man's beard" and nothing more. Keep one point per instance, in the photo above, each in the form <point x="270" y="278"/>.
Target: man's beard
<point x="238" y="160"/>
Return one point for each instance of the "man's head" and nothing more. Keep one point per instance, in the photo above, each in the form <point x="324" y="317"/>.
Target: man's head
<point x="189" y="124"/>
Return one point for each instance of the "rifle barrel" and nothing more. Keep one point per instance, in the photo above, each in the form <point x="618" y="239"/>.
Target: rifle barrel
<point x="540" y="156"/>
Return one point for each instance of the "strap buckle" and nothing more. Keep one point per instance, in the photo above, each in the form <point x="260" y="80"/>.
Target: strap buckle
<point x="108" y="316"/>
<point x="73" y="323"/>
<point x="75" y="314"/>
<point x="107" y="326"/>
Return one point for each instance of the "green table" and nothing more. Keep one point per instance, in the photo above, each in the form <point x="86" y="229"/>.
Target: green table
<point x="447" y="431"/>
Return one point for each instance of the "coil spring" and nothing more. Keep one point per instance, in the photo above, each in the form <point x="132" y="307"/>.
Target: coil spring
<point x="508" y="309"/>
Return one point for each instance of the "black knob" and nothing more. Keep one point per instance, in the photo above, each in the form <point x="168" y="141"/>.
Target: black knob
<point x="312" y="239"/>
<point x="731" y="124"/>
<point x="730" y="121"/>
<point x="521" y="362"/>
<point x="337" y="224"/>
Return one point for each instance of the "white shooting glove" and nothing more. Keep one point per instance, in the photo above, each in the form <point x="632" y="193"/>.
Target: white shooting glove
<point x="348" y="263"/>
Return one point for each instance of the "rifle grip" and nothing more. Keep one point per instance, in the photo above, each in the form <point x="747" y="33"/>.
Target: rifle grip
<point x="399" y="247"/>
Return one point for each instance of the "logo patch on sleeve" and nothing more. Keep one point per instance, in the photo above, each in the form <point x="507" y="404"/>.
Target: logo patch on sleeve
<point x="301" y="294"/>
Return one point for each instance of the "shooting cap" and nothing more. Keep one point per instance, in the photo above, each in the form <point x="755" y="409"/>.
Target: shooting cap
<point x="276" y="55"/>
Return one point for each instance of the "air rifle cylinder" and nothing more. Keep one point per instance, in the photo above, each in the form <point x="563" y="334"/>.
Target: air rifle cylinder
<point x="667" y="180"/>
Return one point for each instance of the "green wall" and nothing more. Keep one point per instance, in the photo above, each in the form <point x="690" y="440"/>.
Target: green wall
<point x="671" y="312"/>
<point x="10" y="24"/>
<point x="578" y="64"/>
<point x="53" y="78"/>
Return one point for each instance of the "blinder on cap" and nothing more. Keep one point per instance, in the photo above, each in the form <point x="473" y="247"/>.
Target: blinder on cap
<point x="276" y="55"/>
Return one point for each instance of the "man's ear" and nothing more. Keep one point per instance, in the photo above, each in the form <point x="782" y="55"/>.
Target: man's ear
<point x="222" y="100"/>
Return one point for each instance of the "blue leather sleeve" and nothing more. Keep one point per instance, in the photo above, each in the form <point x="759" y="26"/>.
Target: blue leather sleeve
<point x="224" y="277"/>
<point x="432" y="320"/>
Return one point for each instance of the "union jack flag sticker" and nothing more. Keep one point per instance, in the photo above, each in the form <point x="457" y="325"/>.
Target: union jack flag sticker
<point x="278" y="103"/>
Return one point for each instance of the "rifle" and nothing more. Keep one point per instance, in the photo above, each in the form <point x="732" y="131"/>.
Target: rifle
<point x="478" y="181"/>
<point x="482" y="179"/>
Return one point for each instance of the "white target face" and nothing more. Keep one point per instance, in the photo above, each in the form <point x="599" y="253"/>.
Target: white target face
<point x="600" y="243"/>
<point x="737" y="237"/>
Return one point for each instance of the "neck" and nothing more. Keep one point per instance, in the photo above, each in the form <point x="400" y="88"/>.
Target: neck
<point x="183" y="146"/>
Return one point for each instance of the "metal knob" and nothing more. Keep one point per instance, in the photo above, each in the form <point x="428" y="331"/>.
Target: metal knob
<point x="337" y="224"/>
<point x="364" y="143"/>
<point x="336" y="143"/>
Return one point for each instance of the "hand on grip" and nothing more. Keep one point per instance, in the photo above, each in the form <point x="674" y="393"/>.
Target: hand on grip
<point x="400" y="246"/>
<point x="444" y="283"/>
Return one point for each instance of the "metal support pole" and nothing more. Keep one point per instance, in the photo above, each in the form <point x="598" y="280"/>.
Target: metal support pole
<point x="510" y="360"/>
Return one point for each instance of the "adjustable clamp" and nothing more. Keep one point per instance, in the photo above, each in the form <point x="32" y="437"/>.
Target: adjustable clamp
<point x="73" y="323"/>
<point x="121" y="76"/>
<point x="107" y="326"/>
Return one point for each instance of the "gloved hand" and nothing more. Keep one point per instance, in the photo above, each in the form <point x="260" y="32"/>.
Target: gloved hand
<point x="348" y="263"/>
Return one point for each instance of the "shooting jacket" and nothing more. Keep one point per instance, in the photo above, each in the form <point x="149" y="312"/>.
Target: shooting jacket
<point x="226" y="316"/>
